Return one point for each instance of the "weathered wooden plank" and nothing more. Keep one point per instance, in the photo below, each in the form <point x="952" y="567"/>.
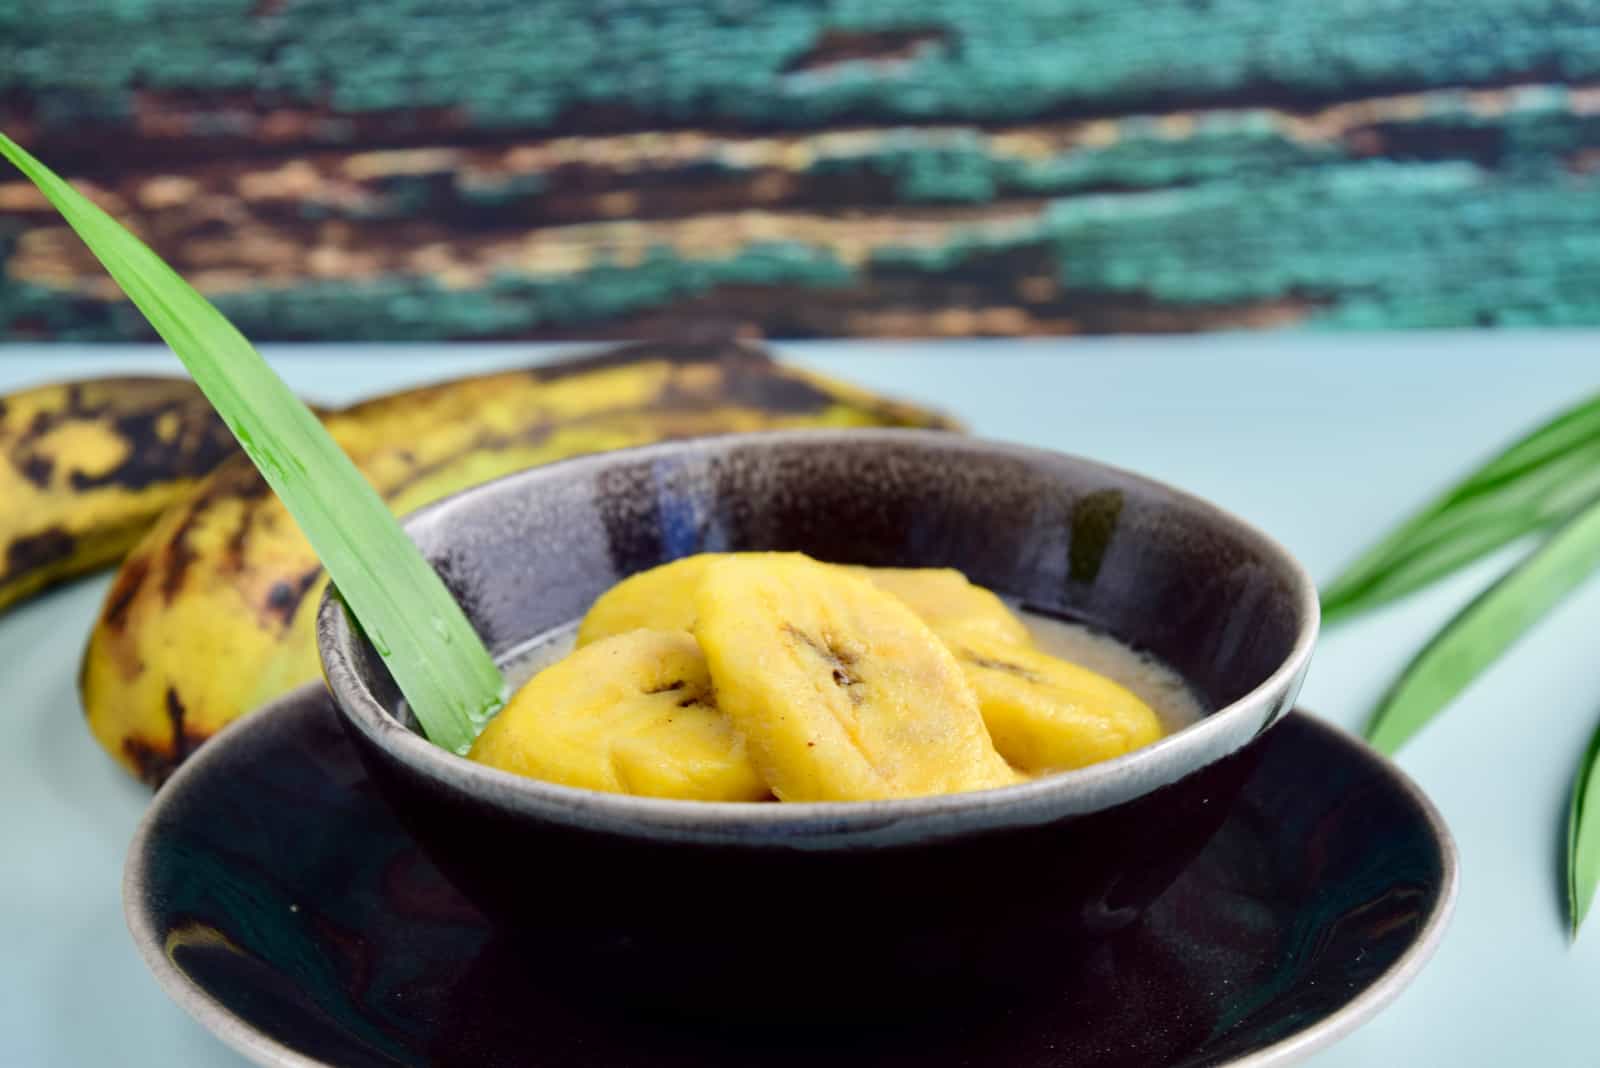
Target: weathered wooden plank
<point x="493" y="168"/>
<point x="1362" y="244"/>
<point x="495" y="65"/>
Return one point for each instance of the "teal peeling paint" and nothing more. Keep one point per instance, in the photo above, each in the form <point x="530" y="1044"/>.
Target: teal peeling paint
<point x="406" y="308"/>
<point x="931" y="166"/>
<point x="1376" y="244"/>
<point x="960" y="167"/>
<point x="509" y="63"/>
<point x="499" y="192"/>
<point x="1464" y="218"/>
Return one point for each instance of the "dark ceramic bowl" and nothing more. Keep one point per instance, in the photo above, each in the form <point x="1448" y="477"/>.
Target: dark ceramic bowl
<point x="828" y="907"/>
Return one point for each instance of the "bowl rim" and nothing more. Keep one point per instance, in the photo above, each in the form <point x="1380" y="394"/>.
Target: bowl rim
<point x="1093" y="788"/>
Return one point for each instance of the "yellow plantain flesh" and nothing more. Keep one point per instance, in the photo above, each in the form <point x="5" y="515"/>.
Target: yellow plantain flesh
<point x="1046" y="714"/>
<point x="841" y="691"/>
<point x="631" y="714"/>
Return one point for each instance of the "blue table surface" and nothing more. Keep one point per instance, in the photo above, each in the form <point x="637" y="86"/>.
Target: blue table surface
<point x="1322" y="440"/>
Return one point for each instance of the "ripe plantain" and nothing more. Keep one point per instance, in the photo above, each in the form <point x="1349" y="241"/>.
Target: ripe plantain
<point x="631" y="714"/>
<point x="841" y="691"/>
<point x="211" y="613"/>
<point x="86" y="467"/>
<point x="1046" y="714"/>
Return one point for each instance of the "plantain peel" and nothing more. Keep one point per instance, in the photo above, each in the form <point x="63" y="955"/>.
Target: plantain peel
<point x="86" y="467"/>
<point x="212" y="612"/>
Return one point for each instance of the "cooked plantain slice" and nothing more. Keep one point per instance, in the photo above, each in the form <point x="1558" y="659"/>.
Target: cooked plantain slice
<point x="1046" y="714"/>
<point x="842" y="692"/>
<point x="662" y="598"/>
<point x="633" y="713"/>
<point x="944" y="599"/>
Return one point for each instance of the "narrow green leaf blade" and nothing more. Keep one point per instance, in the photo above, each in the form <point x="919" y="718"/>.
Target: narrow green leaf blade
<point x="1487" y="627"/>
<point x="437" y="659"/>
<point x="1536" y="481"/>
<point x="1583" y="836"/>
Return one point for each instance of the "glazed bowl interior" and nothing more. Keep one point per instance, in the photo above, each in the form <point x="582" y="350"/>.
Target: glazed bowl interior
<point x="1158" y="569"/>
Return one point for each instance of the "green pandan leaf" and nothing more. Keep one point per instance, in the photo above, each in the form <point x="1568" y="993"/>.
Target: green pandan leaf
<point x="1536" y="482"/>
<point x="1583" y="837"/>
<point x="437" y="659"/>
<point x="1487" y="627"/>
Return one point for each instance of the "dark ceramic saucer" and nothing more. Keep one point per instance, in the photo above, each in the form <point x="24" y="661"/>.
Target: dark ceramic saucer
<point x="274" y="897"/>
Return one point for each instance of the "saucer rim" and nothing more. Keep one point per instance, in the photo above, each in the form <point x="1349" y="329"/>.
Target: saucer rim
<point x="246" y="1040"/>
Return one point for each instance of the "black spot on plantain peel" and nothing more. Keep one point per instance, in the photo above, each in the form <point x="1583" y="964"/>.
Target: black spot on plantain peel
<point x="155" y="761"/>
<point x="37" y="550"/>
<point x="283" y="600"/>
<point x="88" y="466"/>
